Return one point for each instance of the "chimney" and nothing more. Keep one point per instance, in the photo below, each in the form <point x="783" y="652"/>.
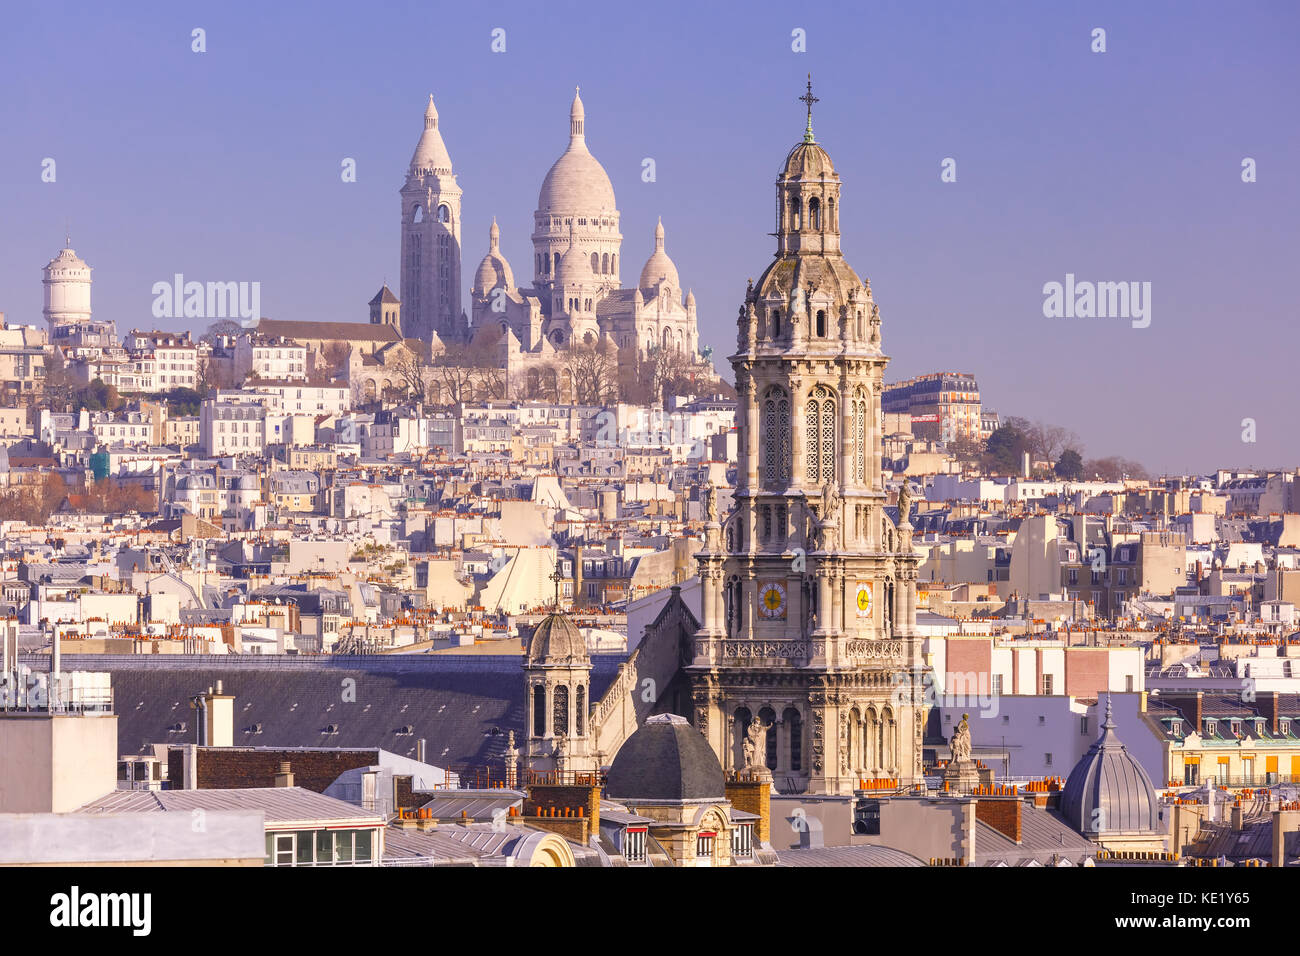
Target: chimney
<point x="285" y="777"/>
<point x="419" y="750"/>
<point x="1238" y="817"/>
<point x="577" y="575"/>
<point x="219" y="718"/>
<point x="1270" y="707"/>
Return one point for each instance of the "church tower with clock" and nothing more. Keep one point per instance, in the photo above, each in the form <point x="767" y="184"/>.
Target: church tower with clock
<point x="807" y="662"/>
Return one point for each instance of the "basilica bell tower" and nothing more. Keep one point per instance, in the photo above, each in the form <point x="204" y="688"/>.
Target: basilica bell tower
<point x="809" y="586"/>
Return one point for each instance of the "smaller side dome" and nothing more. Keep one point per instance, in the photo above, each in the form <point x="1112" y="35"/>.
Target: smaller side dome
<point x="666" y="761"/>
<point x="1108" y="792"/>
<point x="494" y="271"/>
<point x="659" y="268"/>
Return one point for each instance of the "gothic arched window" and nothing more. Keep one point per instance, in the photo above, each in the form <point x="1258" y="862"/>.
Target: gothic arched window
<point x="776" y="323"/>
<point x="768" y="717"/>
<point x="417" y="213"/>
<point x="820" y="435"/>
<point x="794" y="213"/>
<point x="821" y="323"/>
<point x="595" y="262"/>
<point x="604" y="264"/>
<point x="860" y="436"/>
<point x="560" y="718"/>
<point x="444" y="213"/>
<point x="774" y="431"/>
<point x="795" y="724"/>
<point x="557" y="262"/>
<point x="815" y="213"/>
<point x="539" y="711"/>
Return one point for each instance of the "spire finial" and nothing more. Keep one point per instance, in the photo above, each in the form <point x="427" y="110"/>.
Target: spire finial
<point x="577" y="117"/>
<point x="809" y="99"/>
<point x="557" y="576"/>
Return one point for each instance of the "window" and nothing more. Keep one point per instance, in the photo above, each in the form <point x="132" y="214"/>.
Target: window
<point x="281" y="845"/>
<point x="560" y="719"/>
<point x="1047" y="683"/>
<point x="1083" y="725"/>
<point x="1047" y="759"/>
<point x="997" y="685"/>
<point x="860" y="436"/>
<point x="704" y="844"/>
<point x="1128" y="683"/>
<point x="539" y="711"/>
<point x="820" y="436"/>
<point x="742" y="840"/>
<point x="775" y="436"/>
<point x="634" y="844"/>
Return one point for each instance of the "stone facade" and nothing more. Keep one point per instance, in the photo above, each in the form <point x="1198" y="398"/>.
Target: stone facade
<point x="810" y="587"/>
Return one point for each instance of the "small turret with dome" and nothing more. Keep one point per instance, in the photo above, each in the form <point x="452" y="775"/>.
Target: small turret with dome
<point x="659" y="269"/>
<point x="557" y="677"/>
<point x="494" y="271"/>
<point x="1108" y="797"/>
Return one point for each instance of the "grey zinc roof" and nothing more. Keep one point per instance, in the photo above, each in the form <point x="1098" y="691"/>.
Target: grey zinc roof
<point x="279" y="805"/>
<point x="461" y="705"/>
<point x="1108" y="791"/>
<point x="848" y="856"/>
<point x="1044" y="837"/>
<point x="474" y="804"/>
<point x="666" y="760"/>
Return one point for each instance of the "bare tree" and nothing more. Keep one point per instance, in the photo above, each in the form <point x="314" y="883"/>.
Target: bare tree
<point x="413" y="372"/>
<point x="594" y="369"/>
<point x="1046" y="442"/>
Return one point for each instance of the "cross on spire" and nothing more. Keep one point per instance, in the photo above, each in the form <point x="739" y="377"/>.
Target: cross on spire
<point x="809" y="99"/>
<point x="557" y="576"/>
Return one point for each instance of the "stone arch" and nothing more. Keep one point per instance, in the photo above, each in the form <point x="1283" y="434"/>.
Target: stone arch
<point x="815" y="214"/>
<point x="417" y="213"/>
<point x="595" y="263"/>
<point x="740" y="727"/>
<point x="604" y="264"/>
<point x="770" y="751"/>
<point x="774" y="435"/>
<point x="819" y="435"/>
<point x="793" y="721"/>
<point x="444" y="213"/>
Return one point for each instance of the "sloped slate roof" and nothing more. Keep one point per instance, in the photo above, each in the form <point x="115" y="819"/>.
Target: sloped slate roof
<point x="848" y="856"/>
<point x="461" y="705"/>
<point x="279" y="804"/>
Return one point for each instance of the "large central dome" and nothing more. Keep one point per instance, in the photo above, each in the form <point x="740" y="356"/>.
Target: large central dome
<point x="577" y="183"/>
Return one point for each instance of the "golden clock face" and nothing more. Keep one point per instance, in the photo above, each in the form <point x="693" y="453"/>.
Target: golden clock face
<point x="771" y="600"/>
<point x="864" y="600"/>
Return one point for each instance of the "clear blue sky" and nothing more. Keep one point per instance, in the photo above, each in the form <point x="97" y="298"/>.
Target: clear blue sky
<point x="1117" y="166"/>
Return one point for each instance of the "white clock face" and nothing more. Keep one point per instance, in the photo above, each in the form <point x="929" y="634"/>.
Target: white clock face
<point x="771" y="600"/>
<point x="864" y="599"/>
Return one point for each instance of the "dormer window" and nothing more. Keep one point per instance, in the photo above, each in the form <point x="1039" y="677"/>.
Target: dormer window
<point x="1211" y="727"/>
<point x="1236" y="727"/>
<point x="742" y="840"/>
<point x="634" y="844"/>
<point x="1284" y="726"/>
